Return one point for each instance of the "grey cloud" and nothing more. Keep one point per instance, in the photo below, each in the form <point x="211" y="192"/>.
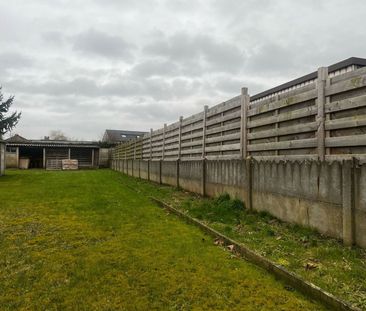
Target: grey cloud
<point x="14" y="60"/>
<point x="53" y="37"/>
<point x="98" y="43"/>
<point x="154" y="67"/>
<point x="200" y="49"/>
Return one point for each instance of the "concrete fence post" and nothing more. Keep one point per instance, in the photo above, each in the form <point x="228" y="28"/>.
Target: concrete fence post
<point x="178" y="163"/>
<point x="160" y="164"/>
<point x="249" y="180"/>
<point x="321" y="84"/>
<point x="244" y="105"/>
<point x="204" y="121"/>
<point x="203" y="185"/>
<point x="348" y="201"/>
<point x="139" y="168"/>
<point x="148" y="170"/>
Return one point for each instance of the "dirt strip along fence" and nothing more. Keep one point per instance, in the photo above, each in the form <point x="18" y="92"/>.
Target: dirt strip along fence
<point x="297" y="152"/>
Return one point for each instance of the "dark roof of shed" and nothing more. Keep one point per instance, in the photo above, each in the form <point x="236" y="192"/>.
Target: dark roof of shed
<point x="18" y="140"/>
<point x="116" y="135"/>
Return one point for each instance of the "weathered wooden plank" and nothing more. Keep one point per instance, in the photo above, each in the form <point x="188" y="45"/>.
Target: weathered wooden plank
<point x="191" y="136"/>
<point x="285" y="102"/>
<point x="223" y="148"/>
<point x="296" y="114"/>
<point x="349" y="122"/>
<point x="192" y="128"/>
<point x="346" y="85"/>
<point x="171" y="153"/>
<point x="192" y="151"/>
<point x="192" y="119"/>
<point x="230" y="104"/>
<point x="348" y="75"/>
<point x="231" y="126"/>
<point x="285" y="94"/>
<point x="291" y="144"/>
<point x="192" y="143"/>
<point x="300" y="157"/>
<point x="224" y="118"/>
<point x="346" y="141"/>
<point x="300" y="128"/>
<point x="223" y="138"/>
<point x="224" y="157"/>
<point x="346" y="104"/>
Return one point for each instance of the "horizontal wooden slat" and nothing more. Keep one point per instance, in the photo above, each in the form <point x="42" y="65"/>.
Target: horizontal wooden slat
<point x="348" y="75"/>
<point x="296" y="114"/>
<point x="192" y="128"/>
<point x="287" y="157"/>
<point x="194" y="135"/>
<point x="223" y="148"/>
<point x="291" y="144"/>
<point x="346" y="85"/>
<point x="191" y="143"/>
<point x="223" y="157"/>
<point x="223" y="138"/>
<point x="279" y="96"/>
<point x="300" y="128"/>
<point x="231" y="126"/>
<point x="346" y="141"/>
<point x="285" y="102"/>
<point x="225" y="118"/>
<point x="189" y="151"/>
<point x="349" y="122"/>
<point x="230" y="104"/>
<point x="192" y="119"/>
<point x="346" y="104"/>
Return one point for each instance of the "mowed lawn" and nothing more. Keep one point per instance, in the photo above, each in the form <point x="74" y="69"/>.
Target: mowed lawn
<point x="83" y="241"/>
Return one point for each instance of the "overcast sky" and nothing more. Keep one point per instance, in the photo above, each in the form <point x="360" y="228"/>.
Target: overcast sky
<point x="83" y="66"/>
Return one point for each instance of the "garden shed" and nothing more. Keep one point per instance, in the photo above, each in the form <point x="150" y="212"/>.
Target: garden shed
<point x="48" y="154"/>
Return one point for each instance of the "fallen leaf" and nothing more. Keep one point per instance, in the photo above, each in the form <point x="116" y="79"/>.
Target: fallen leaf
<point x="230" y="247"/>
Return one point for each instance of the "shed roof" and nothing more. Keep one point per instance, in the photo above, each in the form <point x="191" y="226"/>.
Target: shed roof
<point x="18" y="140"/>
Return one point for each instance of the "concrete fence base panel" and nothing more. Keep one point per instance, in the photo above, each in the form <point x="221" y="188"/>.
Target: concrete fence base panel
<point x="155" y="171"/>
<point x="169" y="173"/>
<point x="326" y="196"/>
<point x="190" y="175"/>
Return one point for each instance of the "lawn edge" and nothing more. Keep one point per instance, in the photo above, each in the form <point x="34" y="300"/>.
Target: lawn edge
<point x="307" y="288"/>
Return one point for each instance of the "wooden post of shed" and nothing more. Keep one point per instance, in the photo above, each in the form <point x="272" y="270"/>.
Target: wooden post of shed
<point x="93" y="157"/>
<point x="17" y="154"/>
<point x="69" y="154"/>
<point x="321" y="84"/>
<point x="244" y="101"/>
<point x="44" y="157"/>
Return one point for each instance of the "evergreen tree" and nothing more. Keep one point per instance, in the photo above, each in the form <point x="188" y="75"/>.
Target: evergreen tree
<point x="7" y="122"/>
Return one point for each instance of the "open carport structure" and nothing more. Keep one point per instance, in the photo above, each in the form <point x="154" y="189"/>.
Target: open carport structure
<point x="49" y="154"/>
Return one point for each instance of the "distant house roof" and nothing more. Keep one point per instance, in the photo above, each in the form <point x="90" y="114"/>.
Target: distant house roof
<point x="117" y="136"/>
<point x="18" y="140"/>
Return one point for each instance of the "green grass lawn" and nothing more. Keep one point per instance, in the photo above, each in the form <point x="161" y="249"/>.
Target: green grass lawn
<point x="324" y="261"/>
<point x="86" y="240"/>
